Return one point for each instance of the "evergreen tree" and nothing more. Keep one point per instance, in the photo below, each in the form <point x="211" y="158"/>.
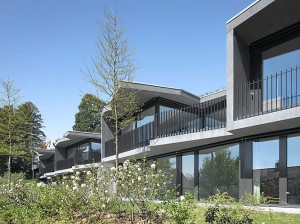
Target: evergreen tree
<point x="88" y="118"/>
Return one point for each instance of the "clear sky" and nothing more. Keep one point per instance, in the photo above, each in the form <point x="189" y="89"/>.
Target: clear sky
<point x="44" y="45"/>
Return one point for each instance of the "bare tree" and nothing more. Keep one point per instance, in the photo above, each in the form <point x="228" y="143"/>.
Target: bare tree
<point x="112" y="74"/>
<point x="9" y="101"/>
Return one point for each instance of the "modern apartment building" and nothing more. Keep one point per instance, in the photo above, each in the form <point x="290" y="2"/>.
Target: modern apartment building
<point x="74" y="150"/>
<point x="243" y="139"/>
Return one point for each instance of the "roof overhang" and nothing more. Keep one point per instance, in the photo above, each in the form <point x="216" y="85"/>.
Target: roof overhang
<point x="73" y="137"/>
<point x="147" y="92"/>
<point x="263" y="18"/>
<point x="45" y="153"/>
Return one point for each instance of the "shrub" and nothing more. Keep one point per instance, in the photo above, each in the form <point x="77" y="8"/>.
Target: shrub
<point x="224" y="209"/>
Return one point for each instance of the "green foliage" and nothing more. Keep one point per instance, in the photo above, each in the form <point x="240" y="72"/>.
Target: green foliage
<point x="224" y="209"/>
<point x="182" y="208"/>
<point x="88" y="118"/>
<point x="128" y="193"/>
<point x="20" y="129"/>
<point x="219" y="171"/>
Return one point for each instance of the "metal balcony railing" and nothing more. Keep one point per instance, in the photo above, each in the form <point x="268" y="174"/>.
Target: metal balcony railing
<point x="189" y="119"/>
<point x="79" y="159"/>
<point x="274" y="93"/>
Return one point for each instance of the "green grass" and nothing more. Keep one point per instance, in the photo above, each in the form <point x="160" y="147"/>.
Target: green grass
<point x="258" y="217"/>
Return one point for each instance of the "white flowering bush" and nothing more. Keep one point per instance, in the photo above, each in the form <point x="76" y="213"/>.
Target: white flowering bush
<point x="141" y="185"/>
<point x="135" y="192"/>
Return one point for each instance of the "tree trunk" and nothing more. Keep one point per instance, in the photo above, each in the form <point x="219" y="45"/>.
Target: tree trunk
<point x="116" y="137"/>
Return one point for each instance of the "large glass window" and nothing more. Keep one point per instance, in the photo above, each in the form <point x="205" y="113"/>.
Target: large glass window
<point x="293" y="169"/>
<point x="282" y="81"/>
<point x="83" y="151"/>
<point x="219" y="170"/>
<point x="188" y="173"/>
<point x="168" y="165"/>
<point x="71" y="153"/>
<point x="96" y="146"/>
<point x="265" y="168"/>
<point x="146" y="117"/>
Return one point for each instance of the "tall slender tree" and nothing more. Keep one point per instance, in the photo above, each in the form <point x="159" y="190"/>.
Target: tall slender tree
<point x="9" y="100"/>
<point x="112" y="74"/>
<point x="32" y="137"/>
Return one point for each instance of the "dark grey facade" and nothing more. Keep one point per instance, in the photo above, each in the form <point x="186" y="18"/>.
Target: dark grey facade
<point x="244" y="139"/>
<point x="75" y="149"/>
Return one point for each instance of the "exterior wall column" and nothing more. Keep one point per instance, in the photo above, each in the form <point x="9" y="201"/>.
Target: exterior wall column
<point x="283" y="169"/>
<point x="179" y="174"/>
<point x="246" y="168"/>
<point x="196" y="175"/>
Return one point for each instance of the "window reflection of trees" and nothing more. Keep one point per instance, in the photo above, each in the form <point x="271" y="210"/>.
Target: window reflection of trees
<point x="219" y="170"/>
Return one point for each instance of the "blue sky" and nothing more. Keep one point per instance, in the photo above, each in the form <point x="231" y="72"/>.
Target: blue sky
<point x="44" y="45"/>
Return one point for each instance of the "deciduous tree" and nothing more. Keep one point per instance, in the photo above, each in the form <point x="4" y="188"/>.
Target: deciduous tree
<point x="112" y="74"/>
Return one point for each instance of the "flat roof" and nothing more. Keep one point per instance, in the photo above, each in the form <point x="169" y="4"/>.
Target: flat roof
<point x="241" y="12"/>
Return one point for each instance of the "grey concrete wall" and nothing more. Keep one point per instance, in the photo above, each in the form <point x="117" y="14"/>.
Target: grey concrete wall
<point x="238" y="69"/>
<point x="60" y="154"/>
<point x="106" y="134"/>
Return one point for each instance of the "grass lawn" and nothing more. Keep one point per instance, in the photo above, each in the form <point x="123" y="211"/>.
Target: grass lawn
<point x="259" y="217"/>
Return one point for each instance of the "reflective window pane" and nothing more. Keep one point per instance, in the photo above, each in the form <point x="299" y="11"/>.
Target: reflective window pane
<point x="96" y="146"/>
<point x="188" y="173"/>
<point x="293" y="169"/>
<point x="265" y="168"/>
<point x="168" y="165"/>
<point x="219" y="170"/>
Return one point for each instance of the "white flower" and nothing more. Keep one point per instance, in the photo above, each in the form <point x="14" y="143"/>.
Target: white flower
<point x="132" y="181"/>
<point x="103" y="206"/>
<point x="54" y="183"/>
<point x="72" y="177"/>
<point x="153" y="166"/>
<point x="82" y="185"/>
<point x="145" y="189"/>
<point x="64" y="177"/>
<point x="77" y="173"/>
<point x="41" y="184"/>
<point x="88" y="172"/>
<point x="75" y="187"/>
<point x="139" y="178"/>
<point x="113" y="168"/>
<point x="48" y="178"/>
<point x="182" y="198"/>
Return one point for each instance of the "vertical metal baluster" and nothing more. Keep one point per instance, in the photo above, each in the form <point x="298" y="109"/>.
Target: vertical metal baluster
<point x="296" y="85"/>
<point x="286" y="85"/>
<point x="276" y="91"/>
<point x="267" y="95"/>
<point x="291" y="87"/>
<point x="238" y="102"/>
<point x="281" y="90"/>
<point x="271" y="93"/>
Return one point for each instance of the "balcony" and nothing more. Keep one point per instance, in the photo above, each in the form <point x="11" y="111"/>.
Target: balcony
<point x="274" y="93"/>
<point x="190" y="119"/>
<point x="82" y="159"/>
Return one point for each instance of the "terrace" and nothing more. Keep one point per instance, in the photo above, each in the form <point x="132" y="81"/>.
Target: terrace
<point x="199" y="117"/>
